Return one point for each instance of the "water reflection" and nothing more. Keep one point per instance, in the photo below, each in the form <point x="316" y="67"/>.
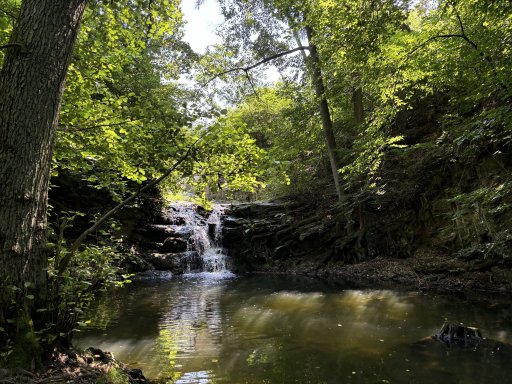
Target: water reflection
<point x="196" y="329"/>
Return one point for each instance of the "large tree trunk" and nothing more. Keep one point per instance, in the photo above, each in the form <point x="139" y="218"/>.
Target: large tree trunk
<point x="31" y="87"/>
<point x="318" y="84"/>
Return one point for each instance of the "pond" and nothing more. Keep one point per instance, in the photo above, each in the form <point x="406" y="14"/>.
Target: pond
<point x="218" y="328"/>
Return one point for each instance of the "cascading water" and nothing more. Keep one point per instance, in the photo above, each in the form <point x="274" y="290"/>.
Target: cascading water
<point x="204" y="237"/>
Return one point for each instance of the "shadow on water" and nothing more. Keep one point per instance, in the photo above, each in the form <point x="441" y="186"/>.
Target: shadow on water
<point x="271" y="329"/>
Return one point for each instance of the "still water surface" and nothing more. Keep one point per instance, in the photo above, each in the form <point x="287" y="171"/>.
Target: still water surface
<point x="202" y="329"/>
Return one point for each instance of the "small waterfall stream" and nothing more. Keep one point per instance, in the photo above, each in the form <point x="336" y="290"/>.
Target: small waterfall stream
<point x="203" y="233"/>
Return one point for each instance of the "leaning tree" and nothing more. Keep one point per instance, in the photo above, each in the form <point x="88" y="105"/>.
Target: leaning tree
<point x="31" y="87"/>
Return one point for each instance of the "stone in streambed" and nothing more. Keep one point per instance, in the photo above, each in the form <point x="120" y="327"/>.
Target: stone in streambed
<point x="174" y="245"/>
<point x="175" y="262"/>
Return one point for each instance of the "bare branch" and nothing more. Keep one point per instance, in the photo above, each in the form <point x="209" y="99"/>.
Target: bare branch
<point x="460" y="22"/>
<point x="431" y="39"/>
<point x="251" y="83"/>
<point x="462" y="36"/>
<point x="79" y="129"/>
<point x="261" y="62"/>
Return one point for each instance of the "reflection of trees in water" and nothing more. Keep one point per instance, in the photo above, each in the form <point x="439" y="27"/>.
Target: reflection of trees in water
<point x="361" y="336"/>
<point x="191" y="330"/>
<point x="256" y="331"/>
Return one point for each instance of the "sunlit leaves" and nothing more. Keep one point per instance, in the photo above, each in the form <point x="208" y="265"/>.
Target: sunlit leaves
<point x="228" y="159"/>
<point x="8" y="13"/>
<point x="118" y="118"/>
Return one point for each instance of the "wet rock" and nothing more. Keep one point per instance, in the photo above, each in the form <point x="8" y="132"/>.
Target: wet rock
<point x="174" y="245"/>
<point x="98" y="354"/>
<point x="459" y="335"/>
<point x="278" y="237"/>
<point x="282" y="251"/>
<point x="134" y="263"/>
<point x="155" y="233"/>
<point x="136" y="376"/>
<point x="150" y="275"/>
<point x="232" y="222"/>
<point x="175" y="262"/>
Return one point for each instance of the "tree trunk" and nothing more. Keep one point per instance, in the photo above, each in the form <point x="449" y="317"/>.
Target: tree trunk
<point x="357" y="98"/>
<point x="318" y="85"/>
<point x="31" y="86"/>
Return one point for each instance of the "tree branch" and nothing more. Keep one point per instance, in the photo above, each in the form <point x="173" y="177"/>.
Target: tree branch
<point x="431" y="39"/>
<point x="21" y="47"/>
<point x="79" y="129"/>
<point x="461" y="25"/>
<point x="251" y="83"/>
<point x="74" y="248"/>
<point x="261" y="62"/>
<point x="8" y="13"/>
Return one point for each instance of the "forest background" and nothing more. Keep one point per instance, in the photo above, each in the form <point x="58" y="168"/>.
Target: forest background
<point x="379" y="104"/>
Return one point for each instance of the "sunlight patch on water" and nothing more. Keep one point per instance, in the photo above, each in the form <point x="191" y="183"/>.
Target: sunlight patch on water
<point x="362" y="322"/>
<point x="379" y="304"/>
<point x="290" y="302"/>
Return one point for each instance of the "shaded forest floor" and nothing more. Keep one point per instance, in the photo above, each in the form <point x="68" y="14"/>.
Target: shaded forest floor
<point x="84" y="368"/>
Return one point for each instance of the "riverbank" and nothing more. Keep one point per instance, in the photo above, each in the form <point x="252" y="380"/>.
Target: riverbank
<point x="93" y="366"/>
<point x="293" y="238"/>
<point x="424" y="272"/>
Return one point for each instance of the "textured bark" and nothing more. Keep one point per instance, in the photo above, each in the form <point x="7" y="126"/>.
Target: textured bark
<point x="31" y="87"/>
<point x="318" y="85"/>
<point x="357" y="98"/>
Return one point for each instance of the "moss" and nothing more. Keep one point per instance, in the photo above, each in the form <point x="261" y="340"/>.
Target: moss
<point x="115" y="375"/>
<point x="26" y="351"/>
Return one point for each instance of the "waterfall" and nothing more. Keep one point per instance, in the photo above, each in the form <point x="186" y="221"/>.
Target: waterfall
<point x="203" y="232"/>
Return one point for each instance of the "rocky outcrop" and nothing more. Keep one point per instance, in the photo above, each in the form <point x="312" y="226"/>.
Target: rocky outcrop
<point x="182" y="239"/>
<point x="166" y="242"/>
<point x="305" y="238"/>
<point x="280" y="237"/>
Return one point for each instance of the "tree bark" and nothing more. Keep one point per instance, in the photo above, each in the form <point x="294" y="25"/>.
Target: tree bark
<point x="318" y="84"/>
<point x="357" y="98"/>
<point x="31" y="86"/>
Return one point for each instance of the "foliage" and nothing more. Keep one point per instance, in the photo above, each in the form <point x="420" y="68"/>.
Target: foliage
<point x="121" y="123"/>
<point x="8" y="13"/>
<point x="95" y="268"/>
<point x="281" y="120"/>
<point x="226" y="160"/>
<point x="117" y="114"/>
<point x="116" y="375"/>
<point x="433" y="76"/>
